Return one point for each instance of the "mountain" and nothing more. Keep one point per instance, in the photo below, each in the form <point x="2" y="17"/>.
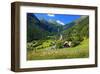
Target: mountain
<point x="76" y="22"/>
<point x="78" y="31"/>
<point x="69" y="25"/>
<point x="51" y="26"/>
<point x="80" y="19"/>
<point x="40" y="28"/>
<point x="34" y="28"/>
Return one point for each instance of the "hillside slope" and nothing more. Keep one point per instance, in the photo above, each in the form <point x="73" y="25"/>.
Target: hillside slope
<point x="40" y="29"/>
<point x="77" y="32"/>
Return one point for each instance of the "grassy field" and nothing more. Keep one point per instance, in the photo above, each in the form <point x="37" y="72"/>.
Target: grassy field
<point x="80" y="51"/>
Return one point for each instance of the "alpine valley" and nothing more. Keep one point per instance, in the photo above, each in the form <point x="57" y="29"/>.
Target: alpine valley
<point x="49" y="39"/>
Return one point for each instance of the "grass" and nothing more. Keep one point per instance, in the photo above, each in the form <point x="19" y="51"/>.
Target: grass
<point x="80" y="51"/>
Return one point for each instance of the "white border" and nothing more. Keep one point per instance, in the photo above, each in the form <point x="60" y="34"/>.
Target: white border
<point x="61" y="62"/>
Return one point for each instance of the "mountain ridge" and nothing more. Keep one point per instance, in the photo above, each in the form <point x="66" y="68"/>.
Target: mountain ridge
<point x="40" y="28"/>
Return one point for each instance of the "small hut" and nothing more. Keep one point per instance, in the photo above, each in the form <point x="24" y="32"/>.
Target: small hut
<point x="67" y="44"/>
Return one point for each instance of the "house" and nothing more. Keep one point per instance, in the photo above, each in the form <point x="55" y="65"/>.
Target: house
<point x="67" y="44"/>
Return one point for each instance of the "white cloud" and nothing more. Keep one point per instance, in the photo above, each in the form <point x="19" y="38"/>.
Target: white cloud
<point x="51" y="15"/>
<point x="58" y="21"/>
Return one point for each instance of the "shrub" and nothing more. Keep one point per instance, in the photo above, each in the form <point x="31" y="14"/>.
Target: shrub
<point x="59" y="44"/>
<point x="75" y="43"/>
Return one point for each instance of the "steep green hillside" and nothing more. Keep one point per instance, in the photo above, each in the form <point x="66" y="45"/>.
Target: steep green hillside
<point x="34" y="29"/>
<point x="77" y="32"/>
<point x="40" y="29"/>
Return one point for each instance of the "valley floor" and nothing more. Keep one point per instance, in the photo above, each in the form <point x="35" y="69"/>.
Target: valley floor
<point x="80" y="51"/>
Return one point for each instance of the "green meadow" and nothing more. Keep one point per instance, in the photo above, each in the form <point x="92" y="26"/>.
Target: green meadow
<point x="80" y="51"/>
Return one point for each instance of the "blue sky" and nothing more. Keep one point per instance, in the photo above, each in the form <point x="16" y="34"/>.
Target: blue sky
<point x="60" y="18"/>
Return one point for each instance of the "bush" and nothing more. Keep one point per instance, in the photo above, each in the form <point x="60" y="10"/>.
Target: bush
<point x="59" y="44"/>
<point x="32" y="45"/>
<point x="75" y="43"/>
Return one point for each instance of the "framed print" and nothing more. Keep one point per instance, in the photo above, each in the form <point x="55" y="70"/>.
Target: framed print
<point x="52" y="36"/>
